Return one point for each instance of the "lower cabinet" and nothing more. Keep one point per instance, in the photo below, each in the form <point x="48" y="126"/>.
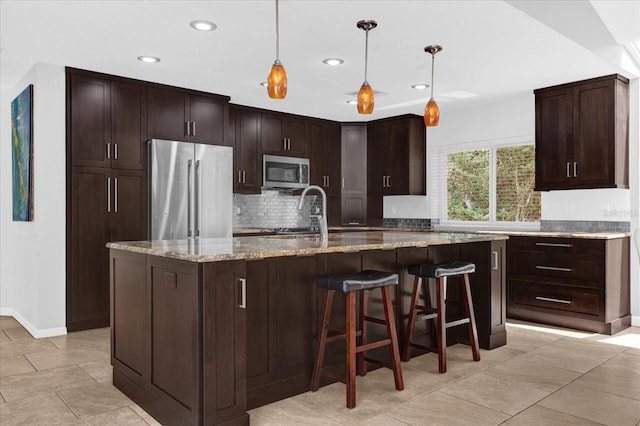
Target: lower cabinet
<point x="174" y="324"/>
<point x="570" y="282"/>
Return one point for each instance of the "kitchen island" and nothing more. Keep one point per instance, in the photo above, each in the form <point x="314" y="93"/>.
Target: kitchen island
<point x="203" y="330"/>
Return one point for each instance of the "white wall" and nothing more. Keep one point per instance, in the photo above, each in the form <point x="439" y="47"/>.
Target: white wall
<point x="634" y="186"/>
<point x="32" y="254"/>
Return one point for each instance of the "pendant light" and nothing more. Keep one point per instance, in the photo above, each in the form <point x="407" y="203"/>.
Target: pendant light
<point x="277" y="78"/>
<point x="365" y="95"/>
<point x="431" y="111"/>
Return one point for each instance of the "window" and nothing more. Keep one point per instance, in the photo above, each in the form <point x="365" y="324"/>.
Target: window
<point x="488" y="185"/>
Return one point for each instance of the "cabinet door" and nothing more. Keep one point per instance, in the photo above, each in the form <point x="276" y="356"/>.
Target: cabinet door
<point x="332" y="159"/>
<point x="377" y="158"/>
<point x="248" y="153"/>
<point x="354" y="209"/>
<point x="294" y="131"/>
<point x="354" y="158"/>
<point x="208" y="118"/>
<point x="224" y="342"/>
<point x="128" y="126"/>
<point x="374" y="210"/>
<point x="398" y="158"/>
<point x="316" y="155"/>
<point x="272" y="139"/>
<point x="89" y="120"/>
<point x="88" y="280"/>
<point x="553" y="139"/>
<point x="129" y="211"/>
<point x="167" y="115"/>
<point x="176" y="342"/>
<point x="594" y="135"/>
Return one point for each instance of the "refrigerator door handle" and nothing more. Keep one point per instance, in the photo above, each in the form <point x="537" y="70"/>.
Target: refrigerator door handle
<point x="189" y="164"/>
<point x="196" y="198"/>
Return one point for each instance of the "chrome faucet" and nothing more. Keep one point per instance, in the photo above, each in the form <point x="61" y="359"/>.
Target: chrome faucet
<point x="322" y="218"/>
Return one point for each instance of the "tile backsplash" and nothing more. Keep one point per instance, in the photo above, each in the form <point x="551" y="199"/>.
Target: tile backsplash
<point x="272" y="209"/>
<point x="584" y="226"/>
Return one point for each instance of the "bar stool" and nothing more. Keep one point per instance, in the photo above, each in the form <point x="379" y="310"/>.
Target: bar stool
<point x="440" y="272"/>
<point x="350" y="285"/>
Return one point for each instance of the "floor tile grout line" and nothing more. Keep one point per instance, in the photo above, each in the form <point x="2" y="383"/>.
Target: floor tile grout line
<point x="67" y="405"/>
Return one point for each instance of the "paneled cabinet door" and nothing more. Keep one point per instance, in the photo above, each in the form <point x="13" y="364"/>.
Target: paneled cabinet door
<point x="283" y="136"/>
<point x="207" y="117"/>
<point x="167" y="112"/>
<point x="332" y="159"/>
<point x="129" y="211"/>
<point x="128" y="126"/>
<point x="377" y="161"/>
<point x="89" y="120"/>
<point x="88" y="280"/>
<point x="245" y="125"/>
<point x="553" y="138"/>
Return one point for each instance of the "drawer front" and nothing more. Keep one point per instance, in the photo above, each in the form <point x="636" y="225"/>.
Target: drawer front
<point x="558" y="267"/>
<point x="557" y="297"/>
<point x="559" y="246"/>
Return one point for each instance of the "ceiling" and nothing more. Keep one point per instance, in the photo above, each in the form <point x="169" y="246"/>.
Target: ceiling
<point x="492" y="49"/>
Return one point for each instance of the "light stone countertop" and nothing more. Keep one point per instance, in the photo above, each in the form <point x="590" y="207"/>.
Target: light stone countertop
<point x="261" y="247"/>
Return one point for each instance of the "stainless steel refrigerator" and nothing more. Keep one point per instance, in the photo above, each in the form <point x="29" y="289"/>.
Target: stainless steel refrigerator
<point x="190" y="190"/>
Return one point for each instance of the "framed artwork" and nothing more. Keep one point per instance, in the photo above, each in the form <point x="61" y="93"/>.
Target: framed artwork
<point x="22" y="154"/>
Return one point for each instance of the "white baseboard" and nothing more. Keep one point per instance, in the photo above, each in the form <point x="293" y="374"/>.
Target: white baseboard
<point x="635" y="320"/>
<point x="35" y="332"/>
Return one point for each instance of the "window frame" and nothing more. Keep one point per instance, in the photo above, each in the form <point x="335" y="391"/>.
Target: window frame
<point x="439" y="165"/>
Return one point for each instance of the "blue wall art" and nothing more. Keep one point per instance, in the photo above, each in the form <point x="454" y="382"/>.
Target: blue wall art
<point x="22" y="154"/>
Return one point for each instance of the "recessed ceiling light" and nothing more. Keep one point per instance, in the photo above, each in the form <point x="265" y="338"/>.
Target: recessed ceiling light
<point x="149" y="59"/>
<point x="203" y="25"/>
<point x="333" y="61"/>
<point x="419" y="86"/>
<point x="352" y="102"/>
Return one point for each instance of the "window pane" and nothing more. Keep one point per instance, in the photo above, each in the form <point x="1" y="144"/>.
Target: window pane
<point x="515" y="177"/>
<point x="468" y="185"/>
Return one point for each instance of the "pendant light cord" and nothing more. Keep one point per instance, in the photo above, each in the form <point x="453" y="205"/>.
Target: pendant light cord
<point x="277" y="34"/>
<point x="366" y="53"/>
<point x="433" y="58"/>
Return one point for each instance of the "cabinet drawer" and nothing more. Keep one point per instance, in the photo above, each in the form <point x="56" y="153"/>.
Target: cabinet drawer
<point x="557" y="297"/>
<point x="558" y="246"/>
<point x="567" y="268"/>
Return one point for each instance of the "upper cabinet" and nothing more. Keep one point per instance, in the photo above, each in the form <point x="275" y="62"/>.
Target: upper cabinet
<point x="283" y="135"/>
<point x="106" y="122"/>
<point x="185" y="116"/>
<point x="324" y="155"/>
<point x="582" y="135"/>
<point x="244" y="134"/>
<point x="354" y="174"/>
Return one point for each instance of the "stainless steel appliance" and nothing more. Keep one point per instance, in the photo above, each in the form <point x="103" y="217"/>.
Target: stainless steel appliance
<point x="285" y="172"/>
<point x="190" y="190"/>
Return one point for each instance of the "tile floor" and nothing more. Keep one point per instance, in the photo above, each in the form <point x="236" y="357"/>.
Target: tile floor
<point x="543" y="376"/>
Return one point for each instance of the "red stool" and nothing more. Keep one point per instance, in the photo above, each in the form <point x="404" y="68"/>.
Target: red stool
<point x="440" y="272"/>
<point x="350" y="285"/>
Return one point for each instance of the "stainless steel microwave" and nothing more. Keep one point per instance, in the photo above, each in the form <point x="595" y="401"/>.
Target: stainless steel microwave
<point x="285" y="172"/>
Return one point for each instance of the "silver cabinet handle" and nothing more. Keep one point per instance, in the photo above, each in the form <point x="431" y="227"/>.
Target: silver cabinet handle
<point x="495" y="260"/>
<point x="196" y="199"/>
<point x="108" y="194"/>
<point x="289" y="144"/>
<point x="384" y="181"/>
<point x="115" y="151"/>
<point x="328" y="182"/>
<point x="108" y="150"/>
<point x="193" y="128"/>
<point x="575" y="169"/>
<point x="187" y="125"/>
<point x="189" y="164"/>
<point x="551" y="299"/>
<point x="389" y="180"/>
<point x="553" y="268"/>
<point x="244" y="176"/>
<point x="243" y="293"/>
<point x="239" y="176"/>
<point x="115" y="195"/>
<point x="554" y="245"/>
<point x="343" y="182"/>
<point x="354" y="223"/>
<point x="284" y="144"/>
<point x="568" y="169"/>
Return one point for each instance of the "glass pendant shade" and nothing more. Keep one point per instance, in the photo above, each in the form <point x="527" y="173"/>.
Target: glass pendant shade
<point x="277" y="81"/>
<point x="365" y="99"/>
<point x="431" y="113"/>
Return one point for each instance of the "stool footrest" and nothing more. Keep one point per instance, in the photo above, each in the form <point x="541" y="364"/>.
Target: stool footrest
<point x="376" y="320"/>
<point x="340" y="336"/>
<point x="425" y="317"/>
<point x="331" y="375"/>
<point x="373" y="345"/>
<point x="456" y="323"/>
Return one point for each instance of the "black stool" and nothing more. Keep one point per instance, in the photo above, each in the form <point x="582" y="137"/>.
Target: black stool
<point x="350" y="285"/>
<point x="440" y="272"/>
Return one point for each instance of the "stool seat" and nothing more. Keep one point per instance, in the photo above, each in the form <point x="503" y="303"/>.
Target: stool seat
<point x="442" y="269"/>
<point x="363" y="280"/>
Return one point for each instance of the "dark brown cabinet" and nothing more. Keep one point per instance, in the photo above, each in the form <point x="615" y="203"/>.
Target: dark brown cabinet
<point x="283" y="135"/>
<point x="396" y="161"/>
<point x="582" y="135"/>
<point x="570" y="282"/>
<point x="324" y="155"/>
<point x="354" y="174"/>
<point x="245" y="136"/>
<point x="281" y="327"/>
<point x="107" y="205"/>
<point x="109" y="122"/>
<point x="183" y="115"/>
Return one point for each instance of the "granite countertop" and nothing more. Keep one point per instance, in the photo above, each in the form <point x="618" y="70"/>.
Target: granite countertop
<point x="513" y="233"/>
<point x="260" y="247"/>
